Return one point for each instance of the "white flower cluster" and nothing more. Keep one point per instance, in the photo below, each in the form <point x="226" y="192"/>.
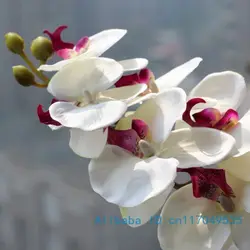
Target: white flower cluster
<point x="142" y="183"/>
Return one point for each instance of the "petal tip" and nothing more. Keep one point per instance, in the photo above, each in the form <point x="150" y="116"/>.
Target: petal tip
<point x="198" y="59"/>
<point x="123" y="31"/>
<point x="135" y="64"/>
<point x="46" y="67"/>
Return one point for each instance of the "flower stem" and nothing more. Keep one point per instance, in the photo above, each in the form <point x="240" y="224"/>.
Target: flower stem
<point x="178" y="186"/>
<point x="39" y="74"/>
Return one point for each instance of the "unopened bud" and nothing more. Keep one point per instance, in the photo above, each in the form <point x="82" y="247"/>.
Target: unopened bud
<point x="23" y="76"/>
<point x="14" y="43"/>
<point x="41" y="48"/>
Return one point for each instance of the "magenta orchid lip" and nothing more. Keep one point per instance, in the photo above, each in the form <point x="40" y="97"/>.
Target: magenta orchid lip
<point x="56" y="39"/>
<point x="210" y="117"/>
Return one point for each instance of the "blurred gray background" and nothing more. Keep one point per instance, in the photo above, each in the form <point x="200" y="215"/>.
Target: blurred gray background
<point x="46" y="202"/>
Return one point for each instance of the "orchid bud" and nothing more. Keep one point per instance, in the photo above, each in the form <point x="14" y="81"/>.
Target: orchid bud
<point x="41" y="48"/>
<point x="14" y="43"/>
<point x="23" y="76"/>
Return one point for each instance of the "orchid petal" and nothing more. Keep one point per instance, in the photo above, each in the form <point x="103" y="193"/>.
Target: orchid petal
<point x="186" y="116"/>
<point x="238" y="187"/>
<point x="129" y="113"/>
<point x="209" y="103"/>
<point x="228" y="121"/>
<point x="98" y="44"/>
<point x="240" y="232"/>
<point x="88" y="144"/>
<point x="128" y="80"/>
<point x="147" y="210"/>
<point x="206" y="180"/>
<point x="246" y="197"/>
<point x="229" y="245"/>
<point x="180" y="124"/>
<point x="232" y="247"/>
<point x="141" y="128"/>
<point x="87" y="118"/>
<point x="126" y="139"/>
<point x="238" y="166"/>
<point x="81" y="44"/>
<point x="56" y="40"/>
<point x="66" y="53"/>
<point x="228" y="88"/>
<point x="197" y="146"/>
<point x="244" y="107"/>
<point x="45" y="118"/>
<point x="92" y="75"/>
<point x="134" y="64"/>
<point x="57" y="66"/>
<point x="241" y="133"/>
<point x="174" y="77"/>
<point x="161" y="112"/>
<point x="102" y="41"/>
<point x="182" y="228"/>
<point x="128" y="181"/>
<point x="141" y="99"/>
<point x="143" y="76"/>
<point x="207" y="117"/>
<point x="126" y="94"/>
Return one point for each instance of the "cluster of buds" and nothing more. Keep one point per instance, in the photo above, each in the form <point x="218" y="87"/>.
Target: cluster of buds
<point x="41" y="48"/>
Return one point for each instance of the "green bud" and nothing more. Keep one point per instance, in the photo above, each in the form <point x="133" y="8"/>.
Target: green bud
<point x="23" y="76"/>
<point x="14" y="43"/>
<point x="41" y="48"/>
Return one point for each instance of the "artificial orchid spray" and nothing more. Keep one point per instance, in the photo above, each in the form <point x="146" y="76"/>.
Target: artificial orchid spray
<point x="135" y="156"/>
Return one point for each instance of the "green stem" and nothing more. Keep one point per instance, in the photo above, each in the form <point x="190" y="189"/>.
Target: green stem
<point x="39" y="74"/>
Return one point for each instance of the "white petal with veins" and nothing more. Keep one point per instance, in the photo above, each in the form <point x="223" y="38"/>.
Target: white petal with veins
<point x="92" y="75"/>
<point x="87" y="118"/>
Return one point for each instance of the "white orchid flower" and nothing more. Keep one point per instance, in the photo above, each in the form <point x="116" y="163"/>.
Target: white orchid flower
<point x="201" y="224"/>
<point x="93" y="46"/>
<point x="80" y="85"/>
<point x="169" y="80"/>
<point x="221" y="91"/>
<point x="224" y="94"/>
<point x="221" y="94"/>
<point x="141" y="185"/>
<point x="238" y="164"/>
